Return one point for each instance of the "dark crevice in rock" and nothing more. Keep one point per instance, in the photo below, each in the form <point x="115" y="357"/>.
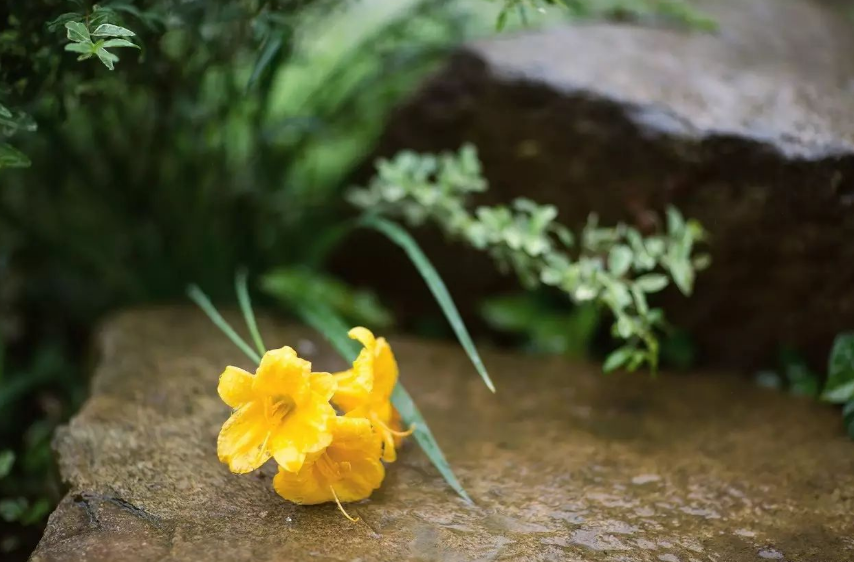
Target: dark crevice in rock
<point x="90" y="502"/>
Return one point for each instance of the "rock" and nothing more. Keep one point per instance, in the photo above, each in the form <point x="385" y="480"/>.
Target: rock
<point x="750" y="129"/>
<point x="562" y="463"/>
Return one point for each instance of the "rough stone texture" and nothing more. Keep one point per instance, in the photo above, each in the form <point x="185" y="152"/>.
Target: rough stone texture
<point x="750" y="129"/>
<point x="563" y="464"/>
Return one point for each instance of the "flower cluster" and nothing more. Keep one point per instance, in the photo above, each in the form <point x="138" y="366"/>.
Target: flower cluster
<point x="288" y="413"/>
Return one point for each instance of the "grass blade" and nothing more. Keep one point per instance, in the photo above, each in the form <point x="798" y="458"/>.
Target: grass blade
<point x="440" y="292"/>
<point x="241" y="287"/>
<point x="334" y="330"/>
<point x="271" y="48"/>
<point x="331" y="327"/>
<point x="202" y="300"/>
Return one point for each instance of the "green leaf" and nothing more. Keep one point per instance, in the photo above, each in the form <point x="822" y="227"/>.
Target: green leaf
<point x="334" y="330"/>
<point x="652" y="282"/>
<point x="202" y="300"/>
<point x="357" y="307"/>
<point x="7" y="459"/>
<point x="108" y="58"/>
<point x="110" y="30"/>
<point x="240" y="285"/>
<point x="620" y="260"/>
<point x="683" y="275"/>
<point x="119" y="43"/>
<point x="271" y="48"/>
<point x="640" y="300"/>
<point x="618" y="358"/>
<point x="440" y="292"/>
<point x="60" y="21"/>
<point x="36" y="512"/>
<point x="4" y="111"/>
<point x="12" y="510"/>
<point x="840" y="372"/>
<point x="675" y="222"/>
<point x="82" y="47"/>
<point x="11" y="157"/>
<point x="77" y="32"/>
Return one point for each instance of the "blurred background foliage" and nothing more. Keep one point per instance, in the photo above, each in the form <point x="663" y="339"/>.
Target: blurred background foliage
<point x="224" y="140"/>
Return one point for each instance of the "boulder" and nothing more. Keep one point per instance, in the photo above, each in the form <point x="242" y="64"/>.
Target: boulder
<point x="562" y="464"/>
<point x="749" y="128"/>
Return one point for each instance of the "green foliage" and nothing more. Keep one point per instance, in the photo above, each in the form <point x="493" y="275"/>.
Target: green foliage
<point x="544" y="327"/>
<point x="793" y="375"/>
<point x="11" y="123"/>
<point x="616" y="266"/>
<point x="82" y="41"/>
<point x="800" y="380"/>
<point x="7" y="459"/>
<point x="679" y="12"/>
<point x="358" y="307"/>
<point x="839" y="387"/>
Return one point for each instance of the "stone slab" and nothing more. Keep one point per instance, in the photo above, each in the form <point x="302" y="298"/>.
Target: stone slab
<point x="563" y="463"/>
<point x="749" y="129"/>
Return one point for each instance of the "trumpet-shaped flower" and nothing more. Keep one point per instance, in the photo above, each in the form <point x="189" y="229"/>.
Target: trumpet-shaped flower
<point x="282" y="412"/>
<point x="348" y="470"/>
<point x="365" y="390"/>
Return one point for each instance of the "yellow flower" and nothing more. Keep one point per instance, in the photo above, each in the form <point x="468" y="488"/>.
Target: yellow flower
<point x="282" y="412"/>
<point x="348" y="470"/>
<point x="365" y="390"/>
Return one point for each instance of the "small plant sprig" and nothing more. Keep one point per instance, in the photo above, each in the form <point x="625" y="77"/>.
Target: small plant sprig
<point x="614" y="266"/>
<point x="91" y="34"/>
<point x="13" y="122"/>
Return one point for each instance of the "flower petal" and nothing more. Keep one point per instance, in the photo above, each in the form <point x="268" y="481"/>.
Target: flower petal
<point x="243" y="441"/>
<point x="289" y="458"/>
<point x="385" y="370"/>
<point x="353" y="469"/>
<point x="283" y="373"/>
<point x="235" y="386"/>
<point x="323" y="385"/>
<point x="306" y="487"/>
<point x="305" y="430"/>
<point x="356" y="384"/>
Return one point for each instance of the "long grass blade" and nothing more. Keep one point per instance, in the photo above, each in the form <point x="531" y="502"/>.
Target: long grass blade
<point x="271" y="48"/>
<point x="242" y="289"/>
<point x="440" y="292"/>
<point x="202" y="300"/>
<point x="334" y="330"/>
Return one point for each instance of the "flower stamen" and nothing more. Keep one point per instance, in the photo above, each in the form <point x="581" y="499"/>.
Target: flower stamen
<point x="341" y="507"/>
<point x="387" y="429"/>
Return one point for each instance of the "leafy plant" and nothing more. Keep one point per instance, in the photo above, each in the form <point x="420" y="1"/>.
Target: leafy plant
<point x="356" y="307"/>
<point x="11" y="123"/>
<point x="839" y="388"/>
<point x="800" y="380"/>
<point x="616" y="266"/>
<point x="106" y="36"/>
<point x="544" y="327"/>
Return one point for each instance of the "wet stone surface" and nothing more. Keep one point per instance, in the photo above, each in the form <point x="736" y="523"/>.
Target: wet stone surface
<point x="563" y="464"/>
